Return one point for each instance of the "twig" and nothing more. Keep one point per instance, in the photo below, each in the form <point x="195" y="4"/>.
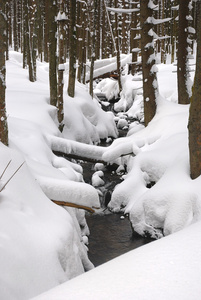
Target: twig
<point x="11" y="177"/>
<point x="63" y="203"/>
<point x="5" y="169"/>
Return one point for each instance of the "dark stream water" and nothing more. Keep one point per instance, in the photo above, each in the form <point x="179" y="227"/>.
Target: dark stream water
<point x="110" y="236"/>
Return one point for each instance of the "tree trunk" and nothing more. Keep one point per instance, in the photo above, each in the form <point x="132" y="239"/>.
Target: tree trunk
<point x="182" y="56"/>
<point x="150" y="88"/>
<point x="27" y="53"/>
<point x="93" y="48"/>
<point x="53" y="52"/>
<point x="194" y="124"/>
<point x="125" y="38"/>
<point x="118" y="49"/>
<point x="3" y="117"/>
<point x="134" y="44"/>
<point x="46" y="30"/>
<point x="81" y="42"/>
<point x="72" y="58"/>
<point x="61" y="21"/>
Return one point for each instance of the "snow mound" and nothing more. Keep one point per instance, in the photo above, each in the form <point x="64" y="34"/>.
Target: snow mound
<point x="169" y="268"/>
<point x="39" y="241"/>
<point x="157" y="191"/>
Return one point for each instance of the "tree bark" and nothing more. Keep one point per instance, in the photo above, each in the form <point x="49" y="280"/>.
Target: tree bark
<point x="72" y="58"/>
<point x="61" y="22"/>
<point x="150" y="88"/>
<point x="182" y="54"/>
<point x="194" y="124"/>
<point x="53" y="52"/>
<point x="3" y="117"/>
<point x="93" y="47"/>
<point x="134" y="44"/>
<point x="118" y="50"/>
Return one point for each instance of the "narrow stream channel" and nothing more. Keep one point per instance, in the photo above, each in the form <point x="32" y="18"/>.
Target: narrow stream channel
<point x="111" y="236"/>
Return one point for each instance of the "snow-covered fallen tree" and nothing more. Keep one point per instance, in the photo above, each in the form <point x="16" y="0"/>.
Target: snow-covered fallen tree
<point x="107" y="65"/>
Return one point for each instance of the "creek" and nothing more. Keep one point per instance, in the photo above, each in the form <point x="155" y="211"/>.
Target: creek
<point x="111" y="234"/>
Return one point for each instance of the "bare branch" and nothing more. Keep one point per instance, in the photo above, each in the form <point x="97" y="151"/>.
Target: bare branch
<point x="5" y="169"/>
<point x="11" y="177"/>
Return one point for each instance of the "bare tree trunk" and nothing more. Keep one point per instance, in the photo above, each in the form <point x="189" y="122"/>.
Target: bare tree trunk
<point x="81" y="41"/>
<point x="118" y="50"/>
<point x="182" y="64"/>
<point x="125" y="36"/>
<point x="93" y="48"/>
<point x="46" y="31"/>
<point x="72" y="58"/>
<point x="150" y="88"/>
<point x="3" y="117"/>
<point x="53" y="52"/>
<point x="194" y="124"/>
<point x="61" y="21"/>
<point x="134" y="43"/>
<point x="174" y="33"/>
<point x="15" y="39"/>
<point x="27" y="53"/>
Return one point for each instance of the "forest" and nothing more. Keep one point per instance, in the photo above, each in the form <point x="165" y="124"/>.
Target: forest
<point x="115" y="87"/>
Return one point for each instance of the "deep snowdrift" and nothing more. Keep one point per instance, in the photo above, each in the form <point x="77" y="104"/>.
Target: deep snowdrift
<point x="42" y="244"/>
<point x="157" y="192"/>
<point x="166" y="269"/>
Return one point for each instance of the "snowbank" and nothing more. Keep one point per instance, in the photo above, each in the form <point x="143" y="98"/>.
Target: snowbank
<point x="84" y="120"/>
<point x="166" y="269"/>
<point x="40" y="246"/>
<point x="157" y="191"/>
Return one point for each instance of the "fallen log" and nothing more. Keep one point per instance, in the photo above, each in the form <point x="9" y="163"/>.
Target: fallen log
<point x="69" y="204"/>
<point x="112" y="74"/>
<point x="79" y="157"/>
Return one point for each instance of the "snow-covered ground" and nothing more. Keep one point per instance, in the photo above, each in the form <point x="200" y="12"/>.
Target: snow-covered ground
<point x="169" y="268"/>
<point x="42" y="245"/>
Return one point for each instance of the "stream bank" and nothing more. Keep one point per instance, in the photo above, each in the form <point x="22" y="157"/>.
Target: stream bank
<point x="111" y="234"/>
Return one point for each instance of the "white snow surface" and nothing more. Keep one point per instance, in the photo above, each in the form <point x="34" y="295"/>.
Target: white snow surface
<point x="166" y="269"/>
<point x="42" y="245"/>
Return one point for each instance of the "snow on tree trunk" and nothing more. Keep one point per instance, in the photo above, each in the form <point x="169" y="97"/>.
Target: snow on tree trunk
<point x="53" y="52"/>
<point x="150" y="86"/>
<point x="182" y="54"/>
<point x="134" y="39"/>
<point x="93" y="46"/>
<point x="3" y="118"/>
<point x="81" y="41"/>
<point x="194" y="125"/>
<point x="118" y="49"/>
<point x="61" y="18"/>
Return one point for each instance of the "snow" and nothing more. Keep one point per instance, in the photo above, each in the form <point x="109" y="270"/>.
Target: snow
<point x="166" y="269"/>
<point x="123" y="10"/>
<point x="43" y="245"/>
<point x="107" y="65"/>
